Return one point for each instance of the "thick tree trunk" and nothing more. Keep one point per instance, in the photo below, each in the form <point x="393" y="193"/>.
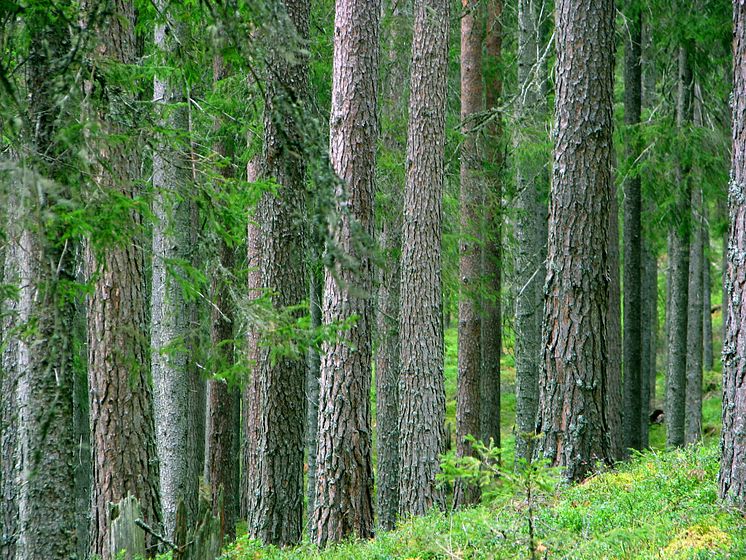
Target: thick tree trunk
<point x="707" y="355"/>
<point x="694" y="326"/>
<point x="530" y="227"/>
<point x="633" y="305"/>
<point x="124" y="459"/>
<point x="344" y="480"/>
<point x="470" y="247"/>
<point x="492" y="250"/>
<point x="176" y="381"/>
<point x="421" y="385"/>
<point x="573" y="416"/>
<point x="679" y="269"/>
<point x="732" y="477"/>
<point x="221" y="469"/>
<point x="277" y="398"/>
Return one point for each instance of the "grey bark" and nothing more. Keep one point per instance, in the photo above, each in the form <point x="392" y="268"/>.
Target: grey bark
<point x="707" y="355"/>
<point x="613" y="386"/>
<point x="694" y="326"/>
<point x="316" y="291"/>
<point x="679" y="265"/>
<point x="530" y="226"/>
<point x="421" y="384"/>
<point x="650" y="327"/>
<point x="176" y="382"/>
<point x="344" y="480"/>
<point x="573" y="418"/>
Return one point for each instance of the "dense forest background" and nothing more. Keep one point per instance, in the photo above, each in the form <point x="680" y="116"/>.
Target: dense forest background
<point x="294" y="272"/>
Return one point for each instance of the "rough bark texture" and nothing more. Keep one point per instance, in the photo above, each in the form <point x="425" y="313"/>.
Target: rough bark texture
<point x="694" y="326"/>
<point x="530" y="227"/>
<point x="613" y="391"/>
<point x="387" y="358"/>
<point x="344" y="480"/>
<point x="121" y="403"/>
<point x="732" y="477"/>
<point x="421" y="384"/>
<point x="223" y="396"/>
<point x="633" y="305"/>
<point x="492" y="248"/>
<point x="572" y="388"/>
<point x="679" y="267"/>
<point x="707" y="355"/>
<point x="275" y="477"/>
<point x="177" y="387"/>
<point x="468" y="395"/>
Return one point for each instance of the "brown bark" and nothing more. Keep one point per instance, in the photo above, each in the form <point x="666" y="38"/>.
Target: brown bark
<point x="573" y="416"/>
<point x="421" y="383"/>
<point x="470" y="259"/>
<point x="121" y="402"/>
<point x="732" y="477"/>
<point x="344" y="480"/>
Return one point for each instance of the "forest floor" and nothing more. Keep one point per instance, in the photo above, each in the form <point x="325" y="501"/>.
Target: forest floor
<point x="659" y="505"/>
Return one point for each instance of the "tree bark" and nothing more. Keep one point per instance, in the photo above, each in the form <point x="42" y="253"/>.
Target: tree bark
<point x="633" y="305"/>
<point x="613" y="397"/>
<point x="121" y="403"/>
<point x="707" y="355"/>
<point x="732" y="477"/>
<point x="573" y="417"/>
<point x="694" y="326"/>
<point x="491" y="326"/>
<point x="316" y="291"/>
<point x="421" y="384"/>
<point x="530" y="226"/>
<point x="344" y="480"/>
<point x="470" y="246"/>
<point x="650" y="328"/>
<point x="275" y="477"/>
<point x="176" y="381"/>
<point x="679" y="264"/>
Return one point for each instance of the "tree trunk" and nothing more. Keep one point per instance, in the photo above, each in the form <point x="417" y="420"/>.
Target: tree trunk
<point x="613" y="396"/>
<point x="491" y="326"/>
<point x="344" y="479"/>
<point x="124" y="459"/>
<point x="176" y="381"/>
<point x="573" y="416"/>
<point x="530" y="226"/>
<point x="275" y="479"/>
<point x="694" y="326"/>
<point x="421" y="384"/>
<point x="633" y="305"/>
<point x="707" y="356"/>
<point x="316" y="291"/>
<point x="223" y="396"/>
<point x="732" y="477"/>
<point x="470" y="246"/>
<point x="679" y="265"/>
<point x="649" y="328"/>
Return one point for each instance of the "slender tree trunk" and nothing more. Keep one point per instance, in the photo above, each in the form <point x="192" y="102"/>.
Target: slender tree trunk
<point x="421" y="385"/>
<point x="530" y="226"/>
<point x="649" y="326"/>
<point x="573" y="415"/>
<point x="344" y="480"/>
<point x="316" y="292"/>
<point x="176" y="381"/>
<point x="732" y="477"/>
<point x="277" y="407"/>
<point x="492" y="250"/>
<point x="470" y="246"/>
<point x="613" y="392"/>
<point x="388" y="358"/>
<point x="633" y="305"/>
<point x="694" y="326"/>
<point x="222" y="428"/>
<point x="707" y="356"/>
<point x="124" y="459"/>
<point x="679" y="264"/>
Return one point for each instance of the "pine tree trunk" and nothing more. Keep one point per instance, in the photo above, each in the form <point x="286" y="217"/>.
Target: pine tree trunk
<point x="491" y="326"/>
<point x="679" y="269"/>
<point x="649" y="327"/>
<point x="221" y="470"/>
<point x="694" y="326"/>
<point x="344" y="479"/>
<point x="316" y="292"/>
<point x="633" y="305"/>
<point x="421" y="384"/>
<point x="124" y="459"/>
<point x="277" y="398"/>
<point x="176" y="381"/>
<point x="732" y="477"/>
<point x="573" y="415"/>
<point x="707" y="356"/>
<point x="613" y="385"/>
<point x="470" y="246"/>
<point x="530" y="227"/>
